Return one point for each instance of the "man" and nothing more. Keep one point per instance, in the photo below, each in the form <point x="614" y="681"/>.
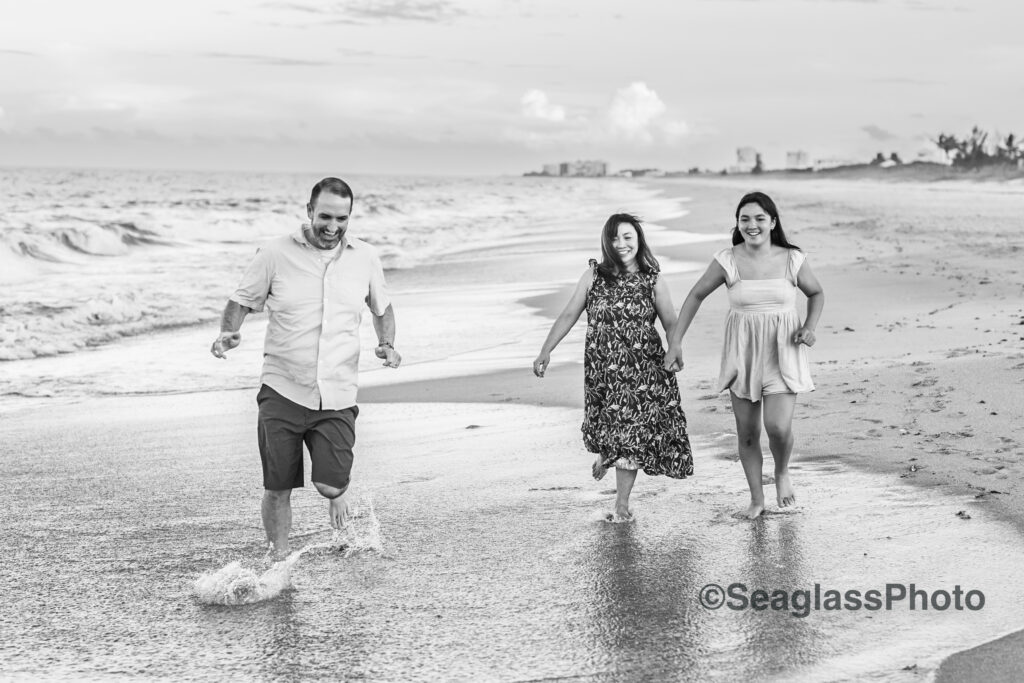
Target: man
<point x="315" y="283"/>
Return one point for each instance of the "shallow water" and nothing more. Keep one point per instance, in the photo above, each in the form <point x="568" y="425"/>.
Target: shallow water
<point x="498" y="569"/>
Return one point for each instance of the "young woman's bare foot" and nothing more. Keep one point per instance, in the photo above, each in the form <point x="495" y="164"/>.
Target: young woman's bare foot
<point x="753" y="511"/>
<point x="598" y="470"/>
<point x="619" y="516"/>
<point x="784" y="493"/>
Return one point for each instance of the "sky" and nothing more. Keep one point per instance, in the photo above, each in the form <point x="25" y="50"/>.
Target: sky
<point x="498" y="86"/>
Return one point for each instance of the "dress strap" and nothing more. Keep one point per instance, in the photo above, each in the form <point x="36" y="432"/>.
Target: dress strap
<point x="796" y="260"/>
<point x="725" y="259"/>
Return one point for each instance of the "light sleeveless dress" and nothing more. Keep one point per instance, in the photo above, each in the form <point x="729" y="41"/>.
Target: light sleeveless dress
<point x="759" y="329"/>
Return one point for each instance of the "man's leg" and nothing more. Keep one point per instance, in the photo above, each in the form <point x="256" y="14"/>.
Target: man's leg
<point x="338" y="507"/>
<point x="330" y="440"/>
<point x="277" y="518"/>
<point x="279" y="428"/>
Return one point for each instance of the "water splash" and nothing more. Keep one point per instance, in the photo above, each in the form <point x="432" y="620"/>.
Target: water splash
<point x="238" y="585"/>
<point x="234" y="584"/>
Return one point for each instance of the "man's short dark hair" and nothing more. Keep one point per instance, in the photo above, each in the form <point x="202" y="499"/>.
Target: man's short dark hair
<point x="333" y="186"/>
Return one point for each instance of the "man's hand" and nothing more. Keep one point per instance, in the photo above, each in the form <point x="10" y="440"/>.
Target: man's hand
<point x="224" y="343"/>
<point x="804" y="336"/>
<point x="392" y="359"/>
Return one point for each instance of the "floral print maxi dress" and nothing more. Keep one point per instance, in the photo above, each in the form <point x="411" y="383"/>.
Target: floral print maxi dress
<point x="633" y="417"/>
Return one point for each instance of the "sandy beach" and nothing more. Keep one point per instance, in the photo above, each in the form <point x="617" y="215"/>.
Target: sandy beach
<point x="478" y="478"/>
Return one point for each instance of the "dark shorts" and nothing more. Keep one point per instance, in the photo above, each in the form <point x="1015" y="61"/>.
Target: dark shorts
<point x="284" y="426"/>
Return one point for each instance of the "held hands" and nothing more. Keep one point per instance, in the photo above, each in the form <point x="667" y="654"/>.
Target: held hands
<point x="541" y="363"/>
<point x="224" y="343"/>
<point x="392" y="359"/>
<point x="804" y="336"/>
<point x="674" y="358"/>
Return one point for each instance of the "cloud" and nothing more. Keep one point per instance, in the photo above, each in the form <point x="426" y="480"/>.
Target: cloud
<point x="877" y="133"/>
<point x="376" y="10"/>
<point x="536" y="106"/>
<point x="637" y="114"/>
<point x="265" y="60"/>
<point x="633" y="110"/>
<point x="634" y="115"/>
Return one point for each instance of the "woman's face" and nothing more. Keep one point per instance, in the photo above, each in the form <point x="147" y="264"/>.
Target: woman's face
<point x="755" y="224"/>
<point x="626" y="244"/>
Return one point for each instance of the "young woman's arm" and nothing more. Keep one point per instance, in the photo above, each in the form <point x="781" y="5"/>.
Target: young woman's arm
<point x="564" y="322"/>
<point x="712" y="279"/>
<point x="810" y="286"/>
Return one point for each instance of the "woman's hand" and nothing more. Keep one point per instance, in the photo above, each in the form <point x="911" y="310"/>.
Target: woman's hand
<point x="541" y="363"/>
<point x="674" y="358"/>
<point x="804" y="336"/>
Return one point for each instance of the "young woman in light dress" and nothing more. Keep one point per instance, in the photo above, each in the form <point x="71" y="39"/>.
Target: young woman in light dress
<point x="764" y="359"/>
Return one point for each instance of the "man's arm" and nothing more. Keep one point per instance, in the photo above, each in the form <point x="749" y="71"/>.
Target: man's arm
<point x="230" y="324"/>
<point x="384" y="326"/>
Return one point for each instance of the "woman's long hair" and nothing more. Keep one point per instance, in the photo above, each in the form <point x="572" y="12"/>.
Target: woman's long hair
<point x="611" y="265"/>
<point x="777" y="236"/>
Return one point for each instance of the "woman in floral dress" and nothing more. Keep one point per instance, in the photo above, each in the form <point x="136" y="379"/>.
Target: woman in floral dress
<point x="633" y="417"/>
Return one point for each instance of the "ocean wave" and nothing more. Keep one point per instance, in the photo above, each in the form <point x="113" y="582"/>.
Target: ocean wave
<point x="129" y="254"/>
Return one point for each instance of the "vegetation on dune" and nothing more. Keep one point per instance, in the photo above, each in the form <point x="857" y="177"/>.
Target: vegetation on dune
<point x="976" y="151"/>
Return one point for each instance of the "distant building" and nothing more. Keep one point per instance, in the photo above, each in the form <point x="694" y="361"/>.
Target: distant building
<point x="746" y="159"/>
<point x="589" y="169"/>
<point x="834" y="162"/>
<point x="797" y="161"/>
<point x="641" y="173"/>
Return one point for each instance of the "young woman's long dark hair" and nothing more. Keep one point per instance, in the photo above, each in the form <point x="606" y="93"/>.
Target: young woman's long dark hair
<point x="611" y="265"/>
<point x="777" y="236"/>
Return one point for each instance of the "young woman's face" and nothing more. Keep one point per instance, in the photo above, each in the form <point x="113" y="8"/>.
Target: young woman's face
<point x="755" y="224"/>
<point x="626" y="243"/>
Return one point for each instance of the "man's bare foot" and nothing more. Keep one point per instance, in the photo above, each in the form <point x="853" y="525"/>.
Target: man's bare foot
<point x="275" y="554"/>
<point x="598" y="470"/>
<point x="339" y="511"/>
<point x="785" y="495"/>
<point x="753" y="511"/>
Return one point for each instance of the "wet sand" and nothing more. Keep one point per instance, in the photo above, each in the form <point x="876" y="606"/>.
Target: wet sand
<point x="495" y="562"/>
<point x="483" y="487"/>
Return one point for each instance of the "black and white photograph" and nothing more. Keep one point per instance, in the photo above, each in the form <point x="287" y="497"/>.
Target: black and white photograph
<point x="479" y="340"/>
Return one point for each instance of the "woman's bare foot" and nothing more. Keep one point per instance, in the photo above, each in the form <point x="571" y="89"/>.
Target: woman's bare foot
<point x="598" y="470"/>
<point x="784" y="493"/>
<point x="753" y="511"/>
<point x="619" y="516"/>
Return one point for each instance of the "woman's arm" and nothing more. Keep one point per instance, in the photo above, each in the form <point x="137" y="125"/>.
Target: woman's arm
<point x="809" y="285"/>
<point x="564" y="322"/>
<point x="663" y="304"/>
<point x="712" y="279"/>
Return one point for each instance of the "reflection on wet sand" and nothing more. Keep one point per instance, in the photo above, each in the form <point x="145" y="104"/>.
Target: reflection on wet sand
<point x="499" y="568"/>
